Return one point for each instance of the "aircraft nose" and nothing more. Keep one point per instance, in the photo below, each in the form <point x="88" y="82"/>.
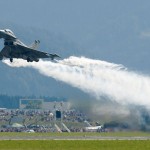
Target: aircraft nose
<point x="2" y="33"/>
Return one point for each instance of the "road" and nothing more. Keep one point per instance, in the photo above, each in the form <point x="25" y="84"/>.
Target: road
<point x="32" y="137"/>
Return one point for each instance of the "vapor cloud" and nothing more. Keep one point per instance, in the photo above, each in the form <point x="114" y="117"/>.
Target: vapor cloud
<point x="96" y="77"/>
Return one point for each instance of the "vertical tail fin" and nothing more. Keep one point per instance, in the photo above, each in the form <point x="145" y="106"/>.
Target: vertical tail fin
<point x="35" y="45"/>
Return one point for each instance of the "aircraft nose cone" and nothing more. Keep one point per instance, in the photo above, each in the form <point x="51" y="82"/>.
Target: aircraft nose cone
<point x="1" y="32"/>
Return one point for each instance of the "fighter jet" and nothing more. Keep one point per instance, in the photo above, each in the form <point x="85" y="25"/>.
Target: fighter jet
<point x="14" y="48"/>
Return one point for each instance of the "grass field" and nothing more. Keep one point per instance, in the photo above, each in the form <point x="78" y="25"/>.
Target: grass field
<point x="75" y="145"/>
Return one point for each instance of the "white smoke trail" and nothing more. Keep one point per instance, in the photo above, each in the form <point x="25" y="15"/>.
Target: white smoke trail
<point x="95" y="77"/>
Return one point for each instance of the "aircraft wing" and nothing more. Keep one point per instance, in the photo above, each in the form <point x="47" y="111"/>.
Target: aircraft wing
<point x="32" y="53"/>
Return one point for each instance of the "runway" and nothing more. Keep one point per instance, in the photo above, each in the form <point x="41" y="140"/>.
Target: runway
<point x="32" y="137"/>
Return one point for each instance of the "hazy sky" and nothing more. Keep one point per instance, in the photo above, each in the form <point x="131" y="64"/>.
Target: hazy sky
<point x="113" y="30"/>
<point x="74" y="18"/>
<point x="116" y="31"/>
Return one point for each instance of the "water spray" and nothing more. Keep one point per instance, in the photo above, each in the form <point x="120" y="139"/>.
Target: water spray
<point x="95" y="77"/>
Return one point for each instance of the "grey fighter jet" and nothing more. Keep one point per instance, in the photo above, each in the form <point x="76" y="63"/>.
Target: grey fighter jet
<point x="14" y="48"/>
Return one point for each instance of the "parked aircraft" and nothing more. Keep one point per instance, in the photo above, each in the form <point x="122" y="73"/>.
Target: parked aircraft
<point x="14" y="48"/>
<point x="92" y="128"/>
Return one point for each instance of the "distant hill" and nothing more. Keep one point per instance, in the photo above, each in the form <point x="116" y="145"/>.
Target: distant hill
<point x="130" y="49"/>
<point x="26" y="81"/>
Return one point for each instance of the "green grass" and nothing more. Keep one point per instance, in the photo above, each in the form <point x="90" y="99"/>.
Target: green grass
<point x="74" y="145"/>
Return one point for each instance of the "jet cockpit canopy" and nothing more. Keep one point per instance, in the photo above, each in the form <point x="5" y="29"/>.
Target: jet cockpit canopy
<point x="9" y="31"/>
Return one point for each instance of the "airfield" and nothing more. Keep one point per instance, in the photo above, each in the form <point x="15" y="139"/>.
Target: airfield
<point x="73" y="141"/>
<point x="76" y="136"/>
<point x="73" y="138"/>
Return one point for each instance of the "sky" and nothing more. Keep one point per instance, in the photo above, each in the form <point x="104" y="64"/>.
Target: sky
<point x="75" y="18"/>
<point x="111" y="30"/>
<point x="104" y="29"/>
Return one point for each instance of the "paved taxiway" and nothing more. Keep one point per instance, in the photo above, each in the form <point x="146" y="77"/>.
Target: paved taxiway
<point x="32" y="137"/>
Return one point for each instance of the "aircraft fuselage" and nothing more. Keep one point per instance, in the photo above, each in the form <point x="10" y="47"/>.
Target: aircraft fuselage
<point x="14" y="48"/>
